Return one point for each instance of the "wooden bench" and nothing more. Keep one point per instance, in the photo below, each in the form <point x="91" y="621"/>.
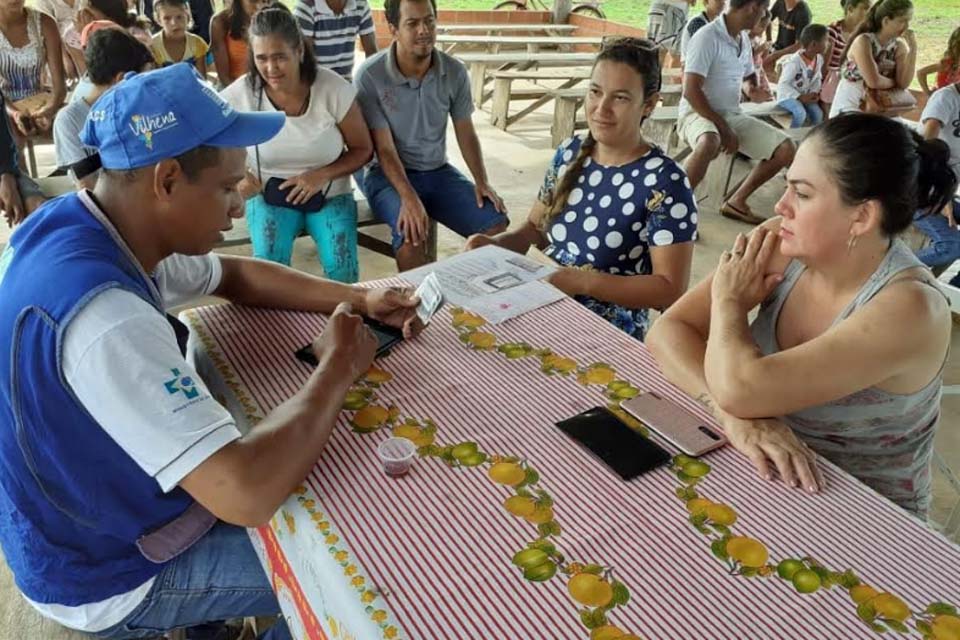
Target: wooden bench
<point x="568" y="102"/>
<point x="508" y="28"/>
<point x="240" y="235"/>
<point x="531" y="43"/>
<point x="504" y="90"/>
<point x="478" y="63"/>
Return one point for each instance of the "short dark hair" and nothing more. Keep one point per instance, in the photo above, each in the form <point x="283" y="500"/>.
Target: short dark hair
<point x="392" y="10"/>
<point x="739" y="4"/>
<point x="872" y="157"/>
<point x="812" y="33"/>
<point x="112" y="51"/>
<point x="179" y="4"/>
<point x="115" y="11"/>
<point x="276" y="20"/>
<point x="192" y="162"/>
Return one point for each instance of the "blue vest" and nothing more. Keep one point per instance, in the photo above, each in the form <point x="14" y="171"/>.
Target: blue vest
<point x="72" y="503"/>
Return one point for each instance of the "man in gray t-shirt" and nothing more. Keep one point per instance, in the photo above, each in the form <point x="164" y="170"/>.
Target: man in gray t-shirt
<point x="407" y="92"/>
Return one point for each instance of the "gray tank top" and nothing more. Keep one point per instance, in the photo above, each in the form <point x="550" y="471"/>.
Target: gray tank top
<point x="884" y="439"/>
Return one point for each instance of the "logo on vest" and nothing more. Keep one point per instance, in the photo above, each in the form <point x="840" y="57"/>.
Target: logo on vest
<point x="144" y="127"/>
<point x="181" y="384"/>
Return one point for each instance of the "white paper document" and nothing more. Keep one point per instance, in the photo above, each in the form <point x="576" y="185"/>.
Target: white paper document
<point x="496" y="283"/>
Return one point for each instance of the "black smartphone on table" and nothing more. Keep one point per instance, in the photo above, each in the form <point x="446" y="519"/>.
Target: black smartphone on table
<point x="387" y="337"/>
<point x="612" y="441"/>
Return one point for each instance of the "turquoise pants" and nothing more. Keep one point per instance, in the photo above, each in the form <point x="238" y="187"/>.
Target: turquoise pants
<point x="333" y="228"/>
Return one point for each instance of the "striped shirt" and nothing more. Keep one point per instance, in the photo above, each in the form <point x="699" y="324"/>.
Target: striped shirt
<point x="334" y="35"/>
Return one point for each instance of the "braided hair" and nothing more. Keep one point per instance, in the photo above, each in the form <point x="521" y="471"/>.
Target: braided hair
<point x="641" y="55"/>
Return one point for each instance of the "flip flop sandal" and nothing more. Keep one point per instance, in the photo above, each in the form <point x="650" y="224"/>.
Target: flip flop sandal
<point x="732" y="212"/>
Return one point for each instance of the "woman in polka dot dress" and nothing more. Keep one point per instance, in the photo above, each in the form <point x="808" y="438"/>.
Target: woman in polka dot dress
<point x="615" y="212"/>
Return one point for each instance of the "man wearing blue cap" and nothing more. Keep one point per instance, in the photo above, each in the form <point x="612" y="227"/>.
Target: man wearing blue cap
<point x="122" y="481"/>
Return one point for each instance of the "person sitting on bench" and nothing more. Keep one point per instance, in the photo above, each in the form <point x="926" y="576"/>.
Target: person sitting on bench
<point x="719" y="58"/>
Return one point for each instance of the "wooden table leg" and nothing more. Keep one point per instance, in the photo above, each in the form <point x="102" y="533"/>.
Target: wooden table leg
<point x="500" y="109"/>
<point x="478" y="72"/>
<point x="539" y="102"/>
<point x="564" y="119"/>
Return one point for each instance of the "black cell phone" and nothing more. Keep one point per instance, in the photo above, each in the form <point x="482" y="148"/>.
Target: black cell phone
<point x="617" y="445"/>
<point x="387" y="337"/>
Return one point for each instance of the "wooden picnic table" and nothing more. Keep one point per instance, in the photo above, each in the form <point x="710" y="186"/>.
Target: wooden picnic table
<point x="532" y="43"/>
<point x="434" y="555"/>
<point x="478" y="63"/>
<point x="568" y="101"/>
<point x="490" y="28"/>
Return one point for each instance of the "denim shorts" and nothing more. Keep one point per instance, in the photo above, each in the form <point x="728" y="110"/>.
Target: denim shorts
<point x="447" y="195"/>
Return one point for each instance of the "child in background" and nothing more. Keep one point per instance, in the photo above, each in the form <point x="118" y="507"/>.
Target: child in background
<point x="948" y="69"/>
<point x="174" y="43"/>
<point x="798" y="91"/>
<point x="761" y="49"/>
<point x="711" y="9"/>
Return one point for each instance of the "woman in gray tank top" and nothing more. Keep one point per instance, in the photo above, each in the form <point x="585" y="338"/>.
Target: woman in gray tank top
<point x="845" y="357"/>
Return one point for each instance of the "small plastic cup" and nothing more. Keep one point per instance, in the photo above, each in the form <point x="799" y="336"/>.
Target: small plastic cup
<point x="397" y="455"/>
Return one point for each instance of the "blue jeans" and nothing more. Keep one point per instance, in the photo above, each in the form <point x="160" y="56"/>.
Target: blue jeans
<point x="333" y="228"/>
<point x="217" y="578"/>
<point x="801" y="112"/>
<point x="446" y="194"/>
<point x="944" y="246"/>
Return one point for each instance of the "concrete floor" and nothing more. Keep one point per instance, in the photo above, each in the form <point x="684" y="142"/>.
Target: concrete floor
<point x="515" y="162"/>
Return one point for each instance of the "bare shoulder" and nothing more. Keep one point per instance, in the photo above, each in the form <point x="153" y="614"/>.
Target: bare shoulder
<point x="913" y="297"/>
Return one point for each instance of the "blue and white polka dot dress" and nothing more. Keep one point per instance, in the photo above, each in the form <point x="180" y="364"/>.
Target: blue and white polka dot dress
<point x="613" y="216"/>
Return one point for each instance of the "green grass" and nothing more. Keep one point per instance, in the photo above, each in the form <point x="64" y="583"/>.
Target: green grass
<point x="933" y="20"/>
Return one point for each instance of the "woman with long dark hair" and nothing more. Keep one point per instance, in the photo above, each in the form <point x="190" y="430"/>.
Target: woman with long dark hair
<point x="228" y="38"/>
<point x="881" y="55"/>
<point x="614" y="212"/>
<point x="845" y="357"/>
<point x="300" y="179"/>
<point x="838" y="34"/>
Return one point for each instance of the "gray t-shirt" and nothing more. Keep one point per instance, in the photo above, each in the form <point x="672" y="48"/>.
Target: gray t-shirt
<point x="723" y="62"/>
<point x="66" y="133"/>
<point x="414" y="110"/>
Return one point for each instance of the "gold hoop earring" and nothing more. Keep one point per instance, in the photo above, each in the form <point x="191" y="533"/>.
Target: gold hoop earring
<point x="851" y="243"/>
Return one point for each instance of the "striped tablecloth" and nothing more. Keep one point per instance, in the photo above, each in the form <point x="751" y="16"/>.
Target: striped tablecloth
<point x="357" y="554"/>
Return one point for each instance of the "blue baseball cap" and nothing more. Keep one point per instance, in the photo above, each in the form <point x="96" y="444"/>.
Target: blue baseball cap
<point x="161" y="114"/>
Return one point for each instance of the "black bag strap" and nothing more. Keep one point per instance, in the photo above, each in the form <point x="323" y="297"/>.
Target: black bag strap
<point x="257" y="147"/>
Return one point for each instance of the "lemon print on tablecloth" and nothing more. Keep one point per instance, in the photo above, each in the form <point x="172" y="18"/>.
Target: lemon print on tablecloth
<point x="377" y="376"/>
<point x="619" y="390"/>
<point x="747" y="551"/>
<point x="373" y="417"/>
<point x="421" y="436"/>
<point x="515" y="350"/>
<point x="554" y="363"/>
<point x="508" y="473"/>
<point x="357" y="399"/>
<point x="945" y="627"/>
<point x="465" y="319"/>
<point x="290" y="521"/>
<point x="599" y="373"/>
<point x="479" y="340"/>
<point x="610" y="632"/>
<point x="537" y="564"/>
<point x="590" y="590"/>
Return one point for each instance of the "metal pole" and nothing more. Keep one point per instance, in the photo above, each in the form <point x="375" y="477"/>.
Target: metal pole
<point x="561" y="10"/>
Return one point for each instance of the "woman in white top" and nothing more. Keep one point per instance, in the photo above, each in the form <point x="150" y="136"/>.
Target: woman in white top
<point x="324" y="140"/>
<point x="29" y="41"/>
<point x="877" y="57"/>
